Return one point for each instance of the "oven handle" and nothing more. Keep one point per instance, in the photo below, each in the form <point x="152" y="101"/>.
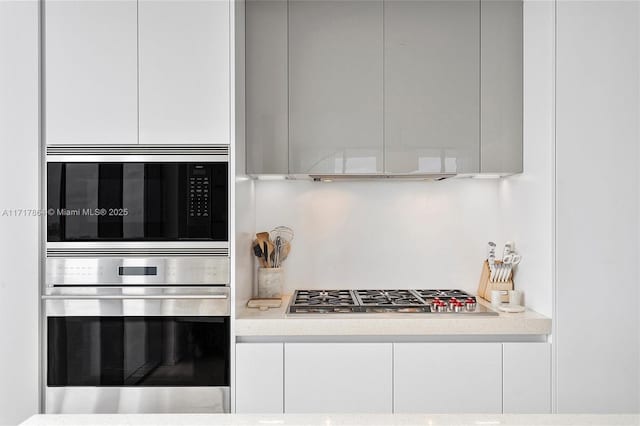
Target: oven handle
<point x="124" y="297"/>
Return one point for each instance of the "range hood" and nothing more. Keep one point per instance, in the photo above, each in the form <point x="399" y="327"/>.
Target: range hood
<point x="391" y="176"/>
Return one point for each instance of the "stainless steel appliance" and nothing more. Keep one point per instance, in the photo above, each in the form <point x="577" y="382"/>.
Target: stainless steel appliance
<point x="450" y="302"/>
<point x="136" y="295"/>
<point x="155" y="195"/>
<point x="137" y="350"/>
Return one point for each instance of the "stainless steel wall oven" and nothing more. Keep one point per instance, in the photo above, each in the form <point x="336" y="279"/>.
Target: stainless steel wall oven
<point x="136" y="295"/>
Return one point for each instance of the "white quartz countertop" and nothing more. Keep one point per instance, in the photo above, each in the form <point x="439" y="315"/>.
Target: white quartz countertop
<point x="276" y="322"/>
<point x="333" y="420"/>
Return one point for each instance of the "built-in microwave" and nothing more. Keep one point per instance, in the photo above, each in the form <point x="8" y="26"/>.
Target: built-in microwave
<point x="131" y="194"/>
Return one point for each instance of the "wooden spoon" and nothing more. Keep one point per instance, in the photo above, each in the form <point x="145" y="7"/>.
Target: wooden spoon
<point x="262" y="236"/>
<point x="270" y="254"/>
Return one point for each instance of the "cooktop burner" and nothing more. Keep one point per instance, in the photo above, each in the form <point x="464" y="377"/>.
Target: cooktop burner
<point x="385" y="301"/>
<point x="387" y="298"/>
<point x="325" y="297"/>
<point x="322" y="301"/>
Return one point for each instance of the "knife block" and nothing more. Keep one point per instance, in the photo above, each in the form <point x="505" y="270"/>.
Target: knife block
<point x="486" y="286"/>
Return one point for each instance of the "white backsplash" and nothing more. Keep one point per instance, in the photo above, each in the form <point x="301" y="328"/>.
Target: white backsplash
<point x="376" y="234"/>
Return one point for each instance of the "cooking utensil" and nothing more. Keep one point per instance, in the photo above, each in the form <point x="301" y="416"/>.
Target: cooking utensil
<point x="508" y="248"/>
<point x="284" y="232"/>
<point x="491" y="249"/>
<point x="265" y="252"/>
<point x="271" y="254"/>
<point x="286" y="249"/>
<point x="512" y="259"/>
<point x="278" y="244"/>
<point x="262" y="239"/>
<point x="257" y="251"/>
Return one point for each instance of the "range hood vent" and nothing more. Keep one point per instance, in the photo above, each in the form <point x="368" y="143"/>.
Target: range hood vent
<point x="357" y="177"/>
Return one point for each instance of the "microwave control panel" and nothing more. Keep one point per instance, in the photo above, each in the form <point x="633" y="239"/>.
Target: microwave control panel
<point x="199" y="192"/>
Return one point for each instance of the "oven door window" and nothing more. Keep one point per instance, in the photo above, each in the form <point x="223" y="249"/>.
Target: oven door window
<point x="138" y="351"/>
<point x="137" y="202"/>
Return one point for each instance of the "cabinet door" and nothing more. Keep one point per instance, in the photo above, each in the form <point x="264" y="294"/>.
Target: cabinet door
<point x="447" y="377"/>
<point x="184" y="71"/>
<point x="527" y="378"/>
<point x="90" y="77"/>
<point x="337" y="378"/>
<point x="335" y="86"/>
<point x="266" y="79"/>
<point x="259" y="378"/>
<point x="501" y="71"/>
<point x="432" y="86"/>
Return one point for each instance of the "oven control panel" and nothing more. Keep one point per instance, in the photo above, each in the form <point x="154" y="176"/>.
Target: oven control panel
<point x="151" y="271"/>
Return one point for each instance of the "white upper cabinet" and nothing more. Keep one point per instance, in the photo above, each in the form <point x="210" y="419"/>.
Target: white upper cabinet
<point x="432" y="86"/>
<point x="335" y="86"/>
<point x="184" y="61"/>
<point x="90" y="72"/>
<point x="127" y="71"/>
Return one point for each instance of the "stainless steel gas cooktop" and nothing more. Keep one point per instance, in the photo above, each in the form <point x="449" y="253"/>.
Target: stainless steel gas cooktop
<point x="385" y="301"/>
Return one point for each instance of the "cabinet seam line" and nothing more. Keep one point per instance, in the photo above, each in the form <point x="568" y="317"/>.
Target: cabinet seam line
<point x="384" y="108"/>
<point x="480" y="86"/>
<point x="502" y="376"/>
<point x="41" y="196"/>
<point x="288" y="96"/>
<point x="393" y="378"/>
<point x="284" y="372"/>
<point x="138" y="70"/>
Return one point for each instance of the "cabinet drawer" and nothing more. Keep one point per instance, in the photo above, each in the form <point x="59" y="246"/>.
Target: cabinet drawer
<point x="259" y="378"/>
<point x="337" y="378"/>
<point x="527" y="378"/>
<point x="447" y="377"/>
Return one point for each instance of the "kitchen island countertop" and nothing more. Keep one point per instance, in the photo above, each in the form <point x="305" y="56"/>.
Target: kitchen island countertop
<point x="332" y="419"/>
<point x="251" y="322"/>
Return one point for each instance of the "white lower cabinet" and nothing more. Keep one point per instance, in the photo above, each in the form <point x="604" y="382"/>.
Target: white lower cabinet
<point x="338" y="377"/>
<point x="527" y="378"/>
<point x="412" y="377"/>
<point x="259" y="377"/>
<point x="447" y="377"/>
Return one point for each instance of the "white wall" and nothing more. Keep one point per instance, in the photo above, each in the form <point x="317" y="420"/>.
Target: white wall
<point x="597" y="327"/>
<point x="375" y="234"/>
<point x="19" y="241"/>
<point x="527" y="206"/>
